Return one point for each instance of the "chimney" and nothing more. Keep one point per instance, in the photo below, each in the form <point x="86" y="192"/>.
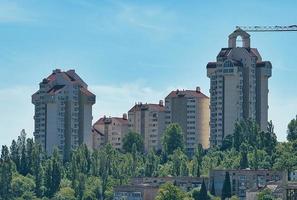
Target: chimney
<point x="125" y="116"/>
<point x="198" y="89"/>
<point x="161" y="103"/>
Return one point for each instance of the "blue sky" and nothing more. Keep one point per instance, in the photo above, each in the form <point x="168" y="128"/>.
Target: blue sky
<point x="130" y="51"/>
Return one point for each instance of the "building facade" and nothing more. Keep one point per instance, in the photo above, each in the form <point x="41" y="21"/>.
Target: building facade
<point x="63" y="112"/>
<point x="190" y="109"/>
<point x="238" y="88"/>
<point x="110" y="130"/>
<point x="135" y="192"/>
<point x="149" y="121"/>
<point x="245" y="179"/>
<point x="186" y="183"/>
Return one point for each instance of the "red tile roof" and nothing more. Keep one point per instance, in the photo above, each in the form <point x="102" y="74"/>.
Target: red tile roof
<point x="104" y="120"/>
<point x="154" y="107"/>
<point x="186" y="93"/>
<point x="86" y="91"/>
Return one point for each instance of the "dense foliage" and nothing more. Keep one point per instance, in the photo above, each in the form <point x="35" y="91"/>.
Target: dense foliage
<point x="27" y="173"/>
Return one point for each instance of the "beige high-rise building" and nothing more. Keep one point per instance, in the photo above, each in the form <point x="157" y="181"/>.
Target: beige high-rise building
<point x="238" y="87"/>
<point x="63" y="112"/>
<point x="110" y="130"/>
<point x="190" y="109"/>
<point x="149" y="121"/>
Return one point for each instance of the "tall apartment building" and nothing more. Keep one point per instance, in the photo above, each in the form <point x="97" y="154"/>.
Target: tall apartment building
<point x="190" y="109"/>
<point x="63" y="112"/>
<point x="238" y="87"/>
<point x="110" y="130"/>
<point x="149" y="121"/>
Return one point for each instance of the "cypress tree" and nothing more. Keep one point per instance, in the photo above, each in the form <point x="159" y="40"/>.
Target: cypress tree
<point x="213" y="190"/>
<point x="48" y="178"/>
<point x="244" y="160"/>
<point x="5" y="174"/>
<point x="203" y="192"/>
<point x="37" y="169"/>
<point x="56" y="172"/>
<point x="15" y="155"/>
<point x="226" y="191"/>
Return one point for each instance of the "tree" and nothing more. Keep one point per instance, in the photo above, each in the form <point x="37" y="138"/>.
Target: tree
<point x="56" y="172"/>
<point x="213" y="190"/>
<point x="198" y="156"/>
<point x="179" y="160"/>
<point x="5" y="174"/>
<point x="244" y="163"/>
<point x="292" y="130"/>
<point x="173" y="138"/>
<point x="130" y="139"/>
<point x="227" y="142"/>
<point x="226" y="191"/>
<point x="195" y="194"/>
<point x="170" y="192"/>
<point x="265" y="194"/>
<point x="65" y="193"/>
<point x="15" y="155"/>
<point x="203" y="192"/>
<point x="21" y="184"/>
<point x="37" y="169"/>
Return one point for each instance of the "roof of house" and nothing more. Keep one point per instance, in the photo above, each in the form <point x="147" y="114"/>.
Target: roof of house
<point x="86" y="91"/>
<point x="147" y="106"/>
<point x="104" y="120"/>
<point x="186" y="93"/>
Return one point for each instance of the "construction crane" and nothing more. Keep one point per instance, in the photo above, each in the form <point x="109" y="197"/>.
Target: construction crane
<point x="267" y="28"/>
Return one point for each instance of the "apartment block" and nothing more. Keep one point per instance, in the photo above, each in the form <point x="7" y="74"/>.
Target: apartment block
<point x="63" y="112"/>
<point x="238" y="87"/>
<point x="149" y="121"/>
<point x="245" y="179"/>
<point x="110" y="130"/>
<point x="190" y="109"/>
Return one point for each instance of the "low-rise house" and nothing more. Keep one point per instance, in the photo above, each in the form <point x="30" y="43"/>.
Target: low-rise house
<point x="245" y="179"/>
<point x="135" y="192"/>
<point x="185" y="183"/>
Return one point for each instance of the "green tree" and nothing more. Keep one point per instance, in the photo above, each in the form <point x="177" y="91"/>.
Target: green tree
<point x="173" y="138"/>
<point x="179" y="160"/>
<point x="5" y="174"/>
<point x="21" y="184"/>
<point x="212" y="189"/>
<point x="15" y="155"/>
<point x="65" y="193"/>
<point x="170" y="192"/>
<point x="198" y="156"/>
<point x="203" y="192"/>
<point x="56" y="171"/>
<point x="226" y="191"/>
<point x="244" y="163"/>
<point x="130" y="139"/>
<point x="151" y="164"/>
<point x="265" y="194"/>
<point x="292" y="130"/>
<point x="37" y="169"/>
<point x="227" y="142"/>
